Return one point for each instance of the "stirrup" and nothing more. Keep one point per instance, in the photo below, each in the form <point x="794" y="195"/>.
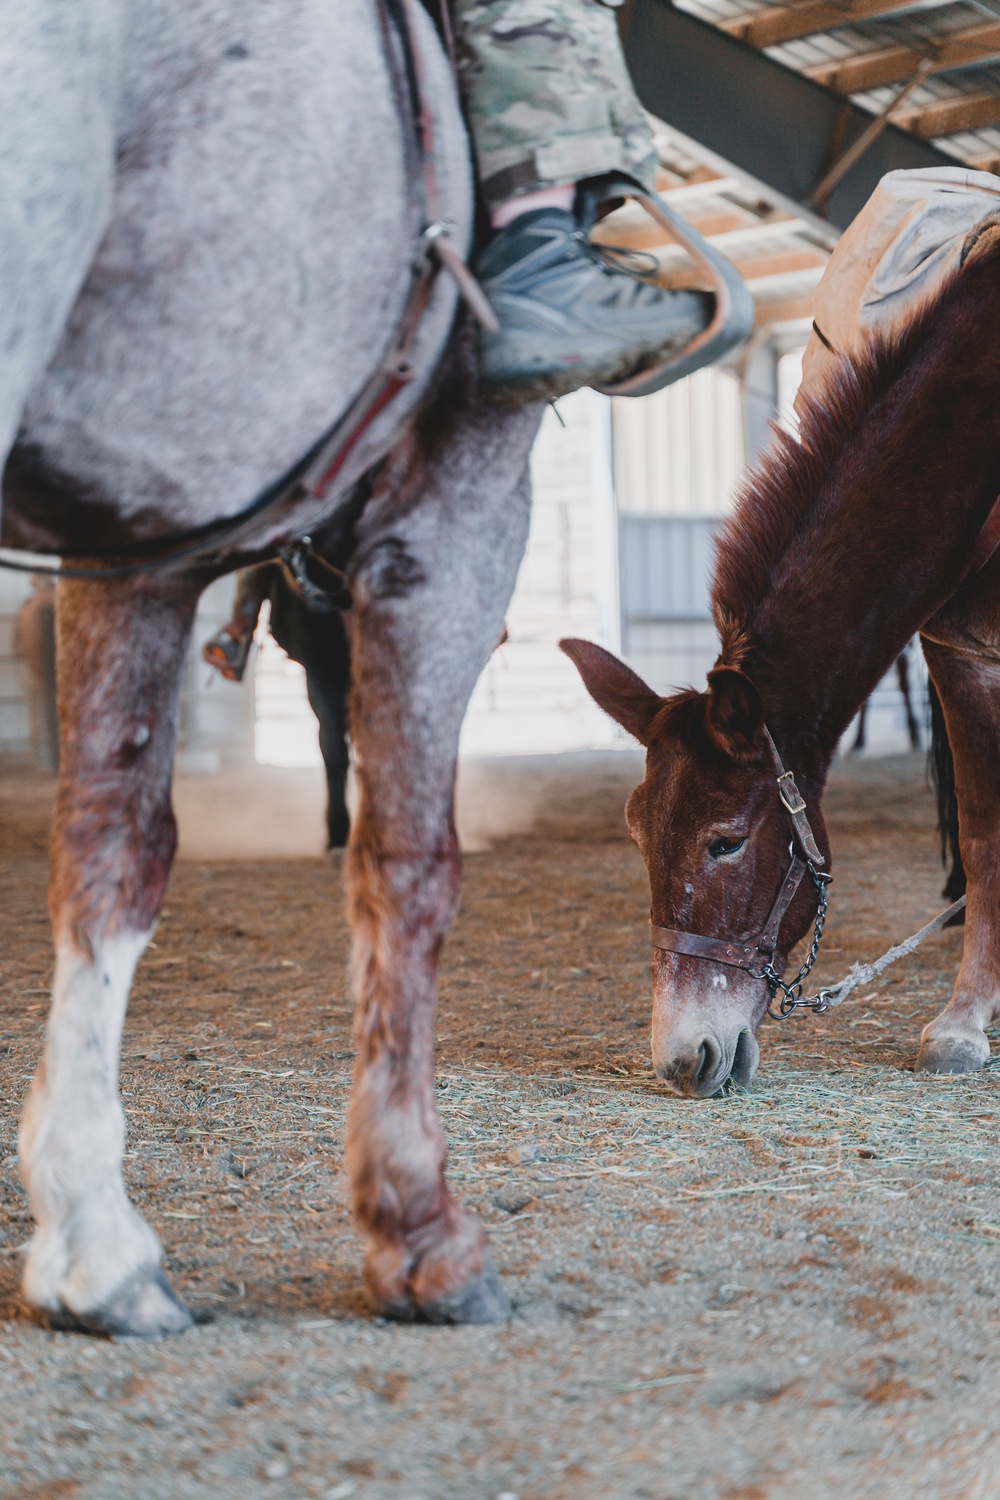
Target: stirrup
<point x="733" y="321"/>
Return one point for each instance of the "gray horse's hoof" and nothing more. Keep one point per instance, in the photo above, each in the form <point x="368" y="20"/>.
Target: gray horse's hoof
<point x="952" y="1054"/>
<point x="481" y="1300"/>
<point x="144" y="1307"/>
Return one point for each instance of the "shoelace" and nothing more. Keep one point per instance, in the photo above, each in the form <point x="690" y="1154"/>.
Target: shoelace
<point x="617" y="258"/>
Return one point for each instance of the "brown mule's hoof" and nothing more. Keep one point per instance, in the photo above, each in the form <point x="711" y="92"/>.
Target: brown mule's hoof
<point x="480" y="1300"/>
<point x="952" y="1054"/>
<point x="144" y="1307"/>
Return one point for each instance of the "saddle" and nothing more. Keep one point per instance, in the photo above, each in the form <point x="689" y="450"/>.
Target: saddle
<point x="917" y="229"/>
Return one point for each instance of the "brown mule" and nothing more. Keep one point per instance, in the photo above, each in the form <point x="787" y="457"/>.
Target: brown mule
<point x="841" y="547"/>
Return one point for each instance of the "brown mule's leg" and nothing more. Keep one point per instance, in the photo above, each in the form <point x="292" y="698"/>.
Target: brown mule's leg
<point x="969" y="689"/>
<point x="94" y="1262"/>
<point x="440" y="547"/>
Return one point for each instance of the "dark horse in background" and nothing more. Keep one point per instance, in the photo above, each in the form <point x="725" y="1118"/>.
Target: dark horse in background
<point x="942" y="768"/>
<point x="314" y="633"/>
<point x="902" y="454"/>
<point x="942" y="771"/>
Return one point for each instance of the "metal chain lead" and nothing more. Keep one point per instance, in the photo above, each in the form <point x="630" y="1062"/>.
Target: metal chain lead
<point x="791" y="994"/>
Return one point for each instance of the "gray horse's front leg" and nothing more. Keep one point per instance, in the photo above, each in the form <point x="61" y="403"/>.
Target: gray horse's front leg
<point x="94" y="1262"/>
<point x="440" y="548"/>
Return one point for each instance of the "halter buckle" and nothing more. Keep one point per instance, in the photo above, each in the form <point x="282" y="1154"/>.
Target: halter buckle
<point x="791" y="797"/>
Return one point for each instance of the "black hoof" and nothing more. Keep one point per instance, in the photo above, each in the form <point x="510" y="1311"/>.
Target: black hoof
<point x="338" y="831"/>
<point x="952" y="1055"/>
<point x="144" y="1307"/>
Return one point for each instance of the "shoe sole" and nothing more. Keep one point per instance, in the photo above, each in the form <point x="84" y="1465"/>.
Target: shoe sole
<point x="549" y="385"/>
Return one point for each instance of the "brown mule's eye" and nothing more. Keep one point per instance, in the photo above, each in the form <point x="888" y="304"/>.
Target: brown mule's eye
<point x="721" y="846"/>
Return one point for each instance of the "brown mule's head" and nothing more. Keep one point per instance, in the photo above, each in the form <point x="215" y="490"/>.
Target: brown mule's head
<point x="709" y="823"/>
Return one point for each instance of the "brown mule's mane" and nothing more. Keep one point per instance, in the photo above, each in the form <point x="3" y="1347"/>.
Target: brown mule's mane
<point x="789" y="487"/>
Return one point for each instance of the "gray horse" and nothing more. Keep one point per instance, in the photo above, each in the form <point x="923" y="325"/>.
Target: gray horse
<point x="173" y="337"/>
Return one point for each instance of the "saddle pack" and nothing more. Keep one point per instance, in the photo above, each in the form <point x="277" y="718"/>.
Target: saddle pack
<point x="916" y="229"/>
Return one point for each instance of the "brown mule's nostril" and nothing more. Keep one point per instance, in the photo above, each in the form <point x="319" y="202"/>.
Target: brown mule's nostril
<point x="744" y="1060"/>
<point x="708" y="1060"/>
<point x="695" y="1072"/>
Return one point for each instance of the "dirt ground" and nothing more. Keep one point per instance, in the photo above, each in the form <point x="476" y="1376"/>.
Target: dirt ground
<point x="787" y="1294"/>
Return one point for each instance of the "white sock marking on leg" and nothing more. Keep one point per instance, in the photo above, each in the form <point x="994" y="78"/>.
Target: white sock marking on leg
<point x="89" y="1238"/>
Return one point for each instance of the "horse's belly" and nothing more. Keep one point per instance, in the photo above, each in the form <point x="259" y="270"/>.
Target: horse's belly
<point x="256" y="266"/>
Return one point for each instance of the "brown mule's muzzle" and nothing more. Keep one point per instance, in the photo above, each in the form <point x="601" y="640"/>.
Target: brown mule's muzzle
<point x="701" y="1073"/>
<point x="703" y="1026"/>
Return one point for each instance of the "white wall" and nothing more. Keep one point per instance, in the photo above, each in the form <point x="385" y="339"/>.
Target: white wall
<point x="530" y="698"/>
<point x="678" y="457"/>
<point x="15" y="720"/>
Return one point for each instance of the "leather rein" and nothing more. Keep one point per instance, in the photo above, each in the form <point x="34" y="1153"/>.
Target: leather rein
<point x="757" y="956"/>
<point x="313" y="476"/>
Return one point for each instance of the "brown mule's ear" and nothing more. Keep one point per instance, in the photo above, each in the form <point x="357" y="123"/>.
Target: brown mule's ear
<point x="735" y="714"/>
<point x="614" y="687"/>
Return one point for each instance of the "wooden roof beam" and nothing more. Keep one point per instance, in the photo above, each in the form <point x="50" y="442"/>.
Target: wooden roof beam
<point x="872" y="70"/>
<point x="765" y="118"/>
<point x="951" y="116"/>
<point x="774" y="24"/>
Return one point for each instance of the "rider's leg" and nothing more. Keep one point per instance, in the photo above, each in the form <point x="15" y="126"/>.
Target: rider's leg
<point x="94" y="1261"/>
<point x="969" y="689"/>
<point x="548" y="96"/>
<point x="550" y="105"/>
<point x="59" y="82"/>
<point x="440" y="545"/>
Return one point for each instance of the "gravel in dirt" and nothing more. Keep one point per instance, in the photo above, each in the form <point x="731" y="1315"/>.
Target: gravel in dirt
<point x="785" y="1293"/>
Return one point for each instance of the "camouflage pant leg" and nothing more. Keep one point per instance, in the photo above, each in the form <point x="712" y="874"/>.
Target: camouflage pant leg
<point x="548" y="95"/>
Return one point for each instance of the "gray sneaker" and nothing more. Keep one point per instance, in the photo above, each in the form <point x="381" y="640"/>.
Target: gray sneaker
<point x="568" y="316"/>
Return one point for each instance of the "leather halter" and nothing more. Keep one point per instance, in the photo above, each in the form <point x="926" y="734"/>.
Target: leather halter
<point x="805" y="858"/>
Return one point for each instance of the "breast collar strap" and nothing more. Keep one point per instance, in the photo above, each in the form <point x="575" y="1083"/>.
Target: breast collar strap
<point x="805" y="858"/>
